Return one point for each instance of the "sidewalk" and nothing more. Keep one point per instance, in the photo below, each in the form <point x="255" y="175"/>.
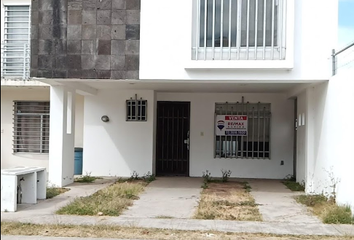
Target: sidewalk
<point x="56" y="238"/>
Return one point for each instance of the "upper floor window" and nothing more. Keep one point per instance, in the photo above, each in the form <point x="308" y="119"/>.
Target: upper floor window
<point x="15" y="50"/>
<point x="31" y="127"/>
<point x="239" y="30"/>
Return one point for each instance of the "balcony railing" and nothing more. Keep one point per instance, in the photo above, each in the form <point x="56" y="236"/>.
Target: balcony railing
<point x="15" y="61"/>
<point x="343" y="59"/>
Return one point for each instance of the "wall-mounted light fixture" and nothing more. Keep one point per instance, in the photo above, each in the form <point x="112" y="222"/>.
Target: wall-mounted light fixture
<point x="105" y="118"/>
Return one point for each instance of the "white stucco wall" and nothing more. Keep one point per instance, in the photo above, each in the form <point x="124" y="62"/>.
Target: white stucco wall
<point x="8" y="95"/>
<point x="118" y="147"/>
<point x="167" y="44"/>
<point x="330" y="159"/>
<point x="301" y="139"/>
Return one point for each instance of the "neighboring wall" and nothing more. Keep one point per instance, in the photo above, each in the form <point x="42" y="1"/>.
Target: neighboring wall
<point x="330" y="138"/>
<point x="85" y="39"/>
<point x="118" y="147"/>
<point x="8" y="95"/>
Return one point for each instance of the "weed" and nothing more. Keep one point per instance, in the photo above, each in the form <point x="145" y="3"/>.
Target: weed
<point x="134" y="176"/>
<point x="149" y="177"/>
<point x="205" y="185"/>
<point x="338" y="215"/>
<point x="225" y="175"/>
<point x="327" y="209"/>
<point x="207" y="176"/>
<point x="294" y="186"/>
<point x="86" y="178"/>
<point x="311" y="200"/>
<point x="54" y="191"/>
<point x="246" y="186"/>
<point x="290" y="177"/>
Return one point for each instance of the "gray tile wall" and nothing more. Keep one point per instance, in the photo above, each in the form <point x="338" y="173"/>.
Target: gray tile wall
<point x="85" y="39"/>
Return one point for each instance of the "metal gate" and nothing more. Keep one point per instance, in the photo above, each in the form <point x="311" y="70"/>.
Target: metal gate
<point x="172" y="138"/>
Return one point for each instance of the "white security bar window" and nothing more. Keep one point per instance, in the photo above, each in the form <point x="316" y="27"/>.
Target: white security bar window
<point x="255" y="142"/>
<point x="15" y="50"/>
<point x="136" y="109"/>
<point x="239" y="30"/>
<point x="31" y="127"/>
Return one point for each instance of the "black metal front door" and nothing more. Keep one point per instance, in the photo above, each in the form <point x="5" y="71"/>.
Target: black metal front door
<point x="172" y="138"/>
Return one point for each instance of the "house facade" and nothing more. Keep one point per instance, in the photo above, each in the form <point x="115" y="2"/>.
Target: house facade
<point x="180" y="87"/>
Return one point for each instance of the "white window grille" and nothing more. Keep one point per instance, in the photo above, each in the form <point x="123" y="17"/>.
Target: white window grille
<point x="31" y="127"/>
<point x="239" y="30"/>
<point x="256" y="144"/>
<point x="15" y="49"/>
<point x="136" y="109"/>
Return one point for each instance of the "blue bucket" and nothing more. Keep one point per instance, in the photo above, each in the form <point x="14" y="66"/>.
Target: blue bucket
<point x="78" y="161"/>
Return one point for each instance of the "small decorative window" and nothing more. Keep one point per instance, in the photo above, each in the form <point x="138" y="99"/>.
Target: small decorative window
<point x="136" y="109"/>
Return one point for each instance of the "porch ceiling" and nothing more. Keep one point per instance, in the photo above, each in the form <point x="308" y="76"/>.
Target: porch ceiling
<point x="193" y="86"/>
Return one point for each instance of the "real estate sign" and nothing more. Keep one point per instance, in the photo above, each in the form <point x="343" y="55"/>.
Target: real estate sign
<point x="231" y="125"/>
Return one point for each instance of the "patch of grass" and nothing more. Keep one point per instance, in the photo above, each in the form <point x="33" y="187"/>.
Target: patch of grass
<point x="227" y="201"/>
<point x="110" y="201"/>
<point x="294" y="186"/>
<point x="106" y="231"/>
<point x="338" y="215"/>
<point x="54" y="191"/>
<point x="311" y="200"/>
<point x="328" y="211"/>
<point x="290" y="182"/>
<point x="86" y="178"/>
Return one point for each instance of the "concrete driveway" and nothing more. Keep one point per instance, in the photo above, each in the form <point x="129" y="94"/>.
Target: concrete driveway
<point x="175" y="197"/>
<point x="277" y="203"/>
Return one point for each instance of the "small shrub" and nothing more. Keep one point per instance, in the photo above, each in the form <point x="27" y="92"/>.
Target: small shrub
<point x="225" y="175"/>
<point x="338" y="215"/>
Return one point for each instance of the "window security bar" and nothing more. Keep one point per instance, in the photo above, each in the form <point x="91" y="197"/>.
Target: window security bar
<point x="256" y="144"/>
<point x="31" y="127"/>
<point x="15" y="49"/>
<point x="136" y="109"/>
<point x="15" y="61"/>
<point x="239" y="30"/>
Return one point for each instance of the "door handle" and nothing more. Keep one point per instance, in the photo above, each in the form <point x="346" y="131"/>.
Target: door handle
<point x="186" y="141"/>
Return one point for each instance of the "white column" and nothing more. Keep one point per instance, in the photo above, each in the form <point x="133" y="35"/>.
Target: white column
<point x="62" y="136"/>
